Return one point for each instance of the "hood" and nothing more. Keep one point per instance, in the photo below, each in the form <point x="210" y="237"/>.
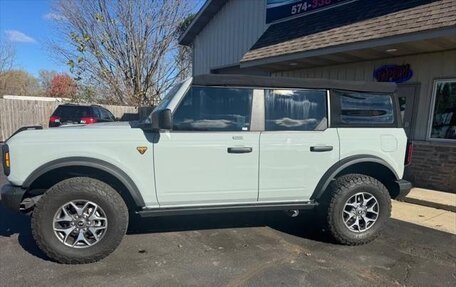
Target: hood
<point x="113" y="131"/>
<point x="115" y="125"/>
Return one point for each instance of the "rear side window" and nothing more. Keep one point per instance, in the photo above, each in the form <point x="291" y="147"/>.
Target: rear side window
<point x="110" y="115"/>
<point x="73" y="112"/>
<point x="214" y="109"/>
<point x="361" y="108"/>
<point x="97" y="113"/>
<point x="105" y="114"/>
<point x="295" y="110"/>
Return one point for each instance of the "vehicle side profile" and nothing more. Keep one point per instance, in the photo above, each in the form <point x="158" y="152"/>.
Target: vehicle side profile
<point x="216" y="143"/>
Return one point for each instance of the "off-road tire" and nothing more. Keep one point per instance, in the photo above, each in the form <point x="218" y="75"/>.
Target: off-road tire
<point x="333" y="202"/>
<point x="79" y="188"/>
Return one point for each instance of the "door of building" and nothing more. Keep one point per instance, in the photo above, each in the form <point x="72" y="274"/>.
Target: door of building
<point x="407" y="102"/>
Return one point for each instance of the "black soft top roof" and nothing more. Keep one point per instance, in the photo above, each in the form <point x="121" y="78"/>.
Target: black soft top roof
<point x="285" y="82"/>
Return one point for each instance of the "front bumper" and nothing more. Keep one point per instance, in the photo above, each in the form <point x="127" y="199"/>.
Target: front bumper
<point x="11" y="196"/>
<point x="404" y="189"/>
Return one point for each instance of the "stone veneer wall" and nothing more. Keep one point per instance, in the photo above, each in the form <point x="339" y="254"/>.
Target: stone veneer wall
<point x="433" y="166"/>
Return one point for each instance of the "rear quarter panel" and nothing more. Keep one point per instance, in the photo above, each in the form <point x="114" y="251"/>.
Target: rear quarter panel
<point x="388" y="144"/>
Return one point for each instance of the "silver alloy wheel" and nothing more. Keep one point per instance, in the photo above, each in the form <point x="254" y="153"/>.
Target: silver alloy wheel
<point x="360" y="212"/>
<point x="80" y="223"/>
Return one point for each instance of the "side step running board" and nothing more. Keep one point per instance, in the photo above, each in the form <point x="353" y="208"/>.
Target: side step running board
<point x="169" y="211"/>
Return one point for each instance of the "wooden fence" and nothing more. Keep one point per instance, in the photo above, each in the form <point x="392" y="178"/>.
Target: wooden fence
<point x="18" y="113"/>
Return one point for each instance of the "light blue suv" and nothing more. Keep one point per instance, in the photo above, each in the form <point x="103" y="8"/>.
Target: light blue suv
<point x="216" y="143"/>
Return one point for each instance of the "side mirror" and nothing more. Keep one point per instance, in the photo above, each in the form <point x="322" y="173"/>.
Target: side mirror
<point x="162" y="120"/>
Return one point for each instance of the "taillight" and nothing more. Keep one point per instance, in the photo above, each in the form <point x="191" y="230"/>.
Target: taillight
<point x="408" y="153"/>
<point x="88" y="120"/>
<point x="54" y="119"/>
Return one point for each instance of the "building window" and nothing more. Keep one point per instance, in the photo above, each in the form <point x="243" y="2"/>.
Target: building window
<point x="444" y="110"/>
<point x="295" y="110"/>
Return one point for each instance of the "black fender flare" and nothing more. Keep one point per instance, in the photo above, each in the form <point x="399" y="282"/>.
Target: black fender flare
<point x="334" y="170"/>
<point x="92" y="163"/>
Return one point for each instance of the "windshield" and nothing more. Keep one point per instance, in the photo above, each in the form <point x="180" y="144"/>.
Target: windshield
<point x="165" y="101"/>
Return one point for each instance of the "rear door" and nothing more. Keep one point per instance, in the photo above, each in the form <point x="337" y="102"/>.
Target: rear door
<point x="297" y="147"/>
<point x="211" y="155"/>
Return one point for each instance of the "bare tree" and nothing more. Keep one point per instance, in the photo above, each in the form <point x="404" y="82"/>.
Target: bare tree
<point x="184" y="54"/>
<point x="7" y="56"/>
<point x="45" y="78"/>
<point x="126" y="46"/>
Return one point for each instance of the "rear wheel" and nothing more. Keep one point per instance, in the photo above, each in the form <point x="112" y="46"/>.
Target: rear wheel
<point x="356" y="209"/>
<point x="79" y="220"/>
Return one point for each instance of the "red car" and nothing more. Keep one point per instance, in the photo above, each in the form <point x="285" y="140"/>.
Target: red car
<point x="79" y="114"/>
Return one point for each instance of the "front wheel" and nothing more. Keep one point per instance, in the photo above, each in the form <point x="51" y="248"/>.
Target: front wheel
<point x="79" y="220"/>
<point x="356" y="209"/>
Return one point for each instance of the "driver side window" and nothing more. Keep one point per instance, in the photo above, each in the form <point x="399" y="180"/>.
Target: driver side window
<point x="214" y="109"/>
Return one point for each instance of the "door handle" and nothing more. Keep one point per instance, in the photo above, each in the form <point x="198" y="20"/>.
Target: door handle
<point x="321" y="148"/>
<point x="239" y="150"/>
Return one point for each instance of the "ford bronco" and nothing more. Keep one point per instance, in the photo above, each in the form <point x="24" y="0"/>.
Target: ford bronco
<point x="216" y="143"/>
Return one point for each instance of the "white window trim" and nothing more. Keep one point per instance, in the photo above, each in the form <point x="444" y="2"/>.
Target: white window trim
<point x="432" y="106"/>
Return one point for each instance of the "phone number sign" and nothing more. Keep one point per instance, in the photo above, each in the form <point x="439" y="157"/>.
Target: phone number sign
<point x="280" y="9"/>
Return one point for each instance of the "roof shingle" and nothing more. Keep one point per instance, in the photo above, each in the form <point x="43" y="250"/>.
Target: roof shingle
<point x="409" y="17"/>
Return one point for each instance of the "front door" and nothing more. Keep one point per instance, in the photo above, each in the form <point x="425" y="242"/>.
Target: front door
<point x="297" y="147"/>
<point x="211" y="156"/>
<point x="406" y="94"/>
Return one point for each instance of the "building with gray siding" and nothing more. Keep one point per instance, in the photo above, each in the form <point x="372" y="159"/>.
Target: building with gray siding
<point x="410" y="42"/>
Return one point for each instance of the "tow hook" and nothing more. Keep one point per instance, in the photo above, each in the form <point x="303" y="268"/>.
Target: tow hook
<point x="28" y="204"/>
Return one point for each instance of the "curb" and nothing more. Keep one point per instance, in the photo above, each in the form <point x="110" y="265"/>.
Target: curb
<point x="447" y="207"/>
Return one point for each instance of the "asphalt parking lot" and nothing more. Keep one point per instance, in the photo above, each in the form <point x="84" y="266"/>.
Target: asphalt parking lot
<point x="256" y="249"/>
